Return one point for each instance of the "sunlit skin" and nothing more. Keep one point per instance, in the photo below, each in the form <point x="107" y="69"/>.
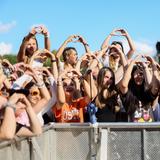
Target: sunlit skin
<point x="95" y="72"/>
<point x="3" y="100"/>
<point x="114" y="54"/>
<point x="72" y="58"/>
<point x="138" y="77"/>
<point x="31" y="46"/>
<point x="69" y="87"/>
<point x="34" y="95"/>
<point x="108" y="80"/>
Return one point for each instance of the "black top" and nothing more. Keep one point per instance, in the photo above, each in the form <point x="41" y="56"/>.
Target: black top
<point x="107" y="113"/>
<point x="135" y="98"/>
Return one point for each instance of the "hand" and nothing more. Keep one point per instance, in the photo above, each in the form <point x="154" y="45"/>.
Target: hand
<point x="44" y="31"/>
<point x="25" y="101"/>
<point x="123" y="32"/>
<point x="76" y="73"/>
<point x="119" y="32"/>
<point x="33" y="31"/>
<point x="113" y="33"/>
<point x="137" y="59"/>
<point x="22" y="104"/>
<point x="119" y="51"/>
<point x="72" y="38"/>
<point x="81" y="40"/>
<point x="15" y="98"/>
<point x="85" y="57"/>
<point x="150" y="59"/>
<point x="7" y="64"/>
<point x="49" y="54"/>
<point x="46" y="71"/>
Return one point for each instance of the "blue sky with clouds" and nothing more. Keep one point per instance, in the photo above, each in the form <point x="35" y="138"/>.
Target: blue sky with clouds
<point x="93" y="19"/>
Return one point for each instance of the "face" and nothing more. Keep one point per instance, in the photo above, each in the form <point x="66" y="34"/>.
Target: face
<point x="108" y="79"/>
<point x="72" y="58"/>
<point x="113" y="52"/>
<point x="95" y="72"/>
<point x="34" y="95"/>
<point x="31" y="46"/>
<point x="138" y="77"/>
<point x="69" y="86"/>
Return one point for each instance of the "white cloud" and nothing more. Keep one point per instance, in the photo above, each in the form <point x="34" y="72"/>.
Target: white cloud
<point x="5" y="48"/>
<point x="7" y="27"/>
<point x="142" y="47"/>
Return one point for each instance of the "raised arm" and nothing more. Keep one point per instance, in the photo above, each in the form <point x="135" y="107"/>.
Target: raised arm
<point x="106" y="41"/>
<point x="130" y="42"/>
<point x="8" y="125"/>
<point x="43" y="90"/>
<point x="21" y="57"/>
<point x="46" y="34"/>
<point x="155" y="84"/>
<point x="84" y="42"/>
<point x="127" y="76"/>
<point x="89" y="85"/>
<point x="54" y="68"/>
<point x="61" y="98"/>
<point x="35" y="126"/>
<point x="63" y="46"/>
<point x="123" y="59"/>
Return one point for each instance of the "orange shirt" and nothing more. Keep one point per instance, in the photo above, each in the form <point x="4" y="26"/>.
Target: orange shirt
<point x="70" y="113"/>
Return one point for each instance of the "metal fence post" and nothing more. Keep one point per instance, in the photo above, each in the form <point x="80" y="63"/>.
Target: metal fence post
<point x="144" y="145"/>
<point x="93" y="142"/>
<point x="103" y="146"/>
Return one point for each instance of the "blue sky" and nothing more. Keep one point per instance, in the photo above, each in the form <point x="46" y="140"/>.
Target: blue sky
<point x="93" y="19"/>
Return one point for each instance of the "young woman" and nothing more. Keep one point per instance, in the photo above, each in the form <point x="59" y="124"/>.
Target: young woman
<point x="139" y="88"/>
<point x="70" y="55"/>
<point x="9" y="126"/>
<point x="30" y="45"/>
<point x="113" y="58"/>
<point x="106" y="99"/>
<point x="70" y="102"/>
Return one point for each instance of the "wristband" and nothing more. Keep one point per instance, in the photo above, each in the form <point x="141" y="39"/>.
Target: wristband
<point x="86" y="44"/>
<point x="40" y="85"/>
<point x="53" y="60"/>
<point x="51" y="80"/>
<point x="9" y="104"/>
<point x="46" y="35"/>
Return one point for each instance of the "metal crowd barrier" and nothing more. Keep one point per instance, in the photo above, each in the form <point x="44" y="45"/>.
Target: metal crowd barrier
<point x="75" y="141"/>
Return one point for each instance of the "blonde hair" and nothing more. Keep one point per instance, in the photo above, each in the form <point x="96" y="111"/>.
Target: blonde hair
<point x="113" y="64"/>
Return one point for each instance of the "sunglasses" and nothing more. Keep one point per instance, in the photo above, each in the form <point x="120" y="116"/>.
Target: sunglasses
<point x="34" y="93"/>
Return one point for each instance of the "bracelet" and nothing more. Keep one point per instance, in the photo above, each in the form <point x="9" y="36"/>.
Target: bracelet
<point x="40" y="85"/>
<point x="46" y="36"/>
<point x="53" y="60"/>
<point x="9" y="104"/>
<point x="59" y="82"/>
<point x="86" y="44"/>
<point x="51" y="80"/>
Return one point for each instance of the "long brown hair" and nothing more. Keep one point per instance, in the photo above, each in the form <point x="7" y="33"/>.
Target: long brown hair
<point x="103" y="92"/>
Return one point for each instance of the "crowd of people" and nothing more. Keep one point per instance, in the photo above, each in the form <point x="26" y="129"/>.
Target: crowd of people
<point x="107" y="85"/>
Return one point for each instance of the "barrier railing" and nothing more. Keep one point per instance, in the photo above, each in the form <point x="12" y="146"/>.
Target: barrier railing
<point x="102" y="141"/>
